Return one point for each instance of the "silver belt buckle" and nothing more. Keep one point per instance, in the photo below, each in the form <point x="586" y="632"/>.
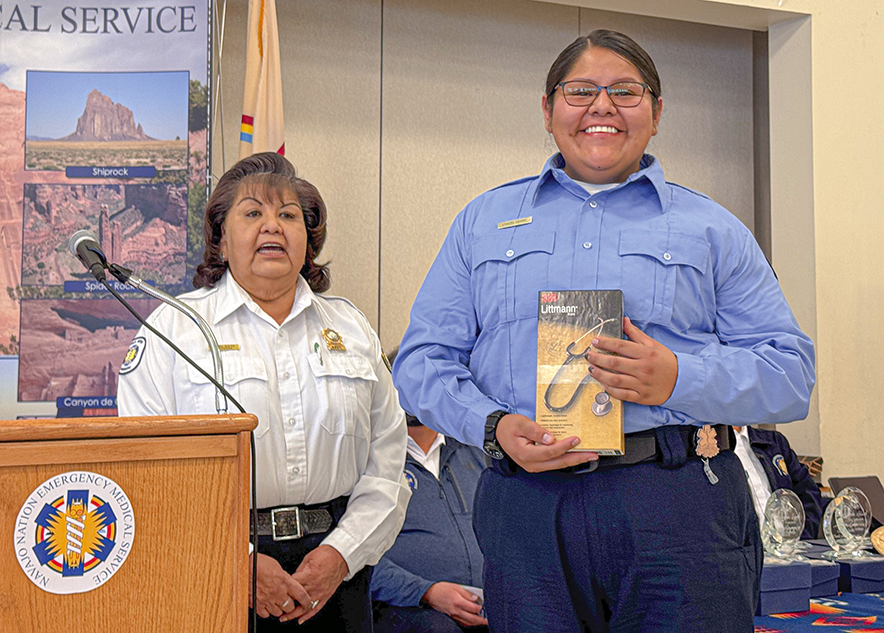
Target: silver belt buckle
<point x="286" y="537"/>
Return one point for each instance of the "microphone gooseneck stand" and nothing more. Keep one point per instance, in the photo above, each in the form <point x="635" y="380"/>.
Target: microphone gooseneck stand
<point x="125" y="275"/>
<point x="221" y="394"/>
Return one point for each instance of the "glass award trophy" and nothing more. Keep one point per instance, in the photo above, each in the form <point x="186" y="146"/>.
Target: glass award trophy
<point x="782" y="526"/>
<point x="846" y="523"/>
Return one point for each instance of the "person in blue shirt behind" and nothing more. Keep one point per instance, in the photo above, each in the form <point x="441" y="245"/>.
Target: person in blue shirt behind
<point x="663" y="538"/>
<point x="431" y="579"/>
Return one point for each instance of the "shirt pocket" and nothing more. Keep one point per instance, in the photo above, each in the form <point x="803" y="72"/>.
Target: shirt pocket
<point x="656" y="270"/>
<point x="244" y="378"/>
<point x="509" y="270"/>
<point x="344" y="385"/>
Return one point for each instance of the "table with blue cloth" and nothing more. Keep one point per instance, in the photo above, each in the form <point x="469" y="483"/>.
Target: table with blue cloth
<point x="844" y="613"/>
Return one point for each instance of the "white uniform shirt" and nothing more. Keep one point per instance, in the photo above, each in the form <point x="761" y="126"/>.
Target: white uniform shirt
<point x="329" y="422"/>
<point x="758" y="483"/>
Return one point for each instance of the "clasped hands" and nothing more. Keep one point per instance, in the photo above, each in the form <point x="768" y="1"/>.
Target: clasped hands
<point x="300" y="595"/>
<point x="642" y="370"/>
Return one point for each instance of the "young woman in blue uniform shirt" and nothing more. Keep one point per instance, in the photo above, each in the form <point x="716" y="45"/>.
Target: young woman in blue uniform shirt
<point x="665" y="538"/>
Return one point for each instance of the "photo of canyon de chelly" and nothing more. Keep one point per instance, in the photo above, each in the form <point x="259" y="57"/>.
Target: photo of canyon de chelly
<point x="106" y="119"/>
<point x="74" y="347"/>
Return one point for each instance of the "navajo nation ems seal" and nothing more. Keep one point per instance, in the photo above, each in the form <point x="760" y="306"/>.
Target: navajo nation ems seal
<point x="74" y="532"/>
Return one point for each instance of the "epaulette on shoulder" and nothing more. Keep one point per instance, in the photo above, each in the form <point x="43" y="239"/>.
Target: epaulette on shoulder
<point x="513" y="183"/>
<point x="689" y="190"/>
<point x="331" y="298"/>
<point x="198" y="293"/>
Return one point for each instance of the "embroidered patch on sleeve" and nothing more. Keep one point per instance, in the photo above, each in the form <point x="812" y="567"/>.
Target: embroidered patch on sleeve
<point x="133" y="355"/>
<point x="411" y="479"/>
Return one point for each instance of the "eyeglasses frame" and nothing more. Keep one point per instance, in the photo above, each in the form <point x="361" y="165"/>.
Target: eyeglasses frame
<point x="607" y="89"/>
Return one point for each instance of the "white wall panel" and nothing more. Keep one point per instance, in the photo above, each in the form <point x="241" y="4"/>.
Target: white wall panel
<point x="462" y="86"/>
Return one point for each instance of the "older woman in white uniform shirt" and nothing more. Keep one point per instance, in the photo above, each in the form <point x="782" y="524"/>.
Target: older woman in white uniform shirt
<point x="331" y="436"/>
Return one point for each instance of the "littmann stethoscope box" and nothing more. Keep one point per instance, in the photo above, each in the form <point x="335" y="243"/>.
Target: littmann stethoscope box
<point x="569" y="400"/>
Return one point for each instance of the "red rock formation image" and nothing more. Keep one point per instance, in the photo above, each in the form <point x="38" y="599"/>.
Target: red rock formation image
<point x="12" y="178"/>
<point x="141" y="226"/>
<point x="104" y="120"/>
<point x="67" y="346"/>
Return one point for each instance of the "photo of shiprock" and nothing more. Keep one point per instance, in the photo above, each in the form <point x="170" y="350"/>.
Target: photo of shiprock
<point x="77" y="119"/>
<point x="140" y="226"/>
<point x="74" y="347"/>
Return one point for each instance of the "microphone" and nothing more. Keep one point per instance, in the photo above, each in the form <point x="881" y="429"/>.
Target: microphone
<point x="84" y="246"/>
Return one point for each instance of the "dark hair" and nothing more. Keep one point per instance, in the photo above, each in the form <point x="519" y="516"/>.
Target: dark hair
<point x="617" y="43"/>
<point x="274" y="174"/>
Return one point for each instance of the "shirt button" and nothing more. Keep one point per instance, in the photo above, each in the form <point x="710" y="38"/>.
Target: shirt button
<point x="349" y="372"/>
<point x="510" y="253"/>
<point x="593" y="204"/>
<point x="587" y="245"/>
<point x="667" y="256"/>
<point x="295" y="470"/>
<point x="292" y="421"/>
<point x="286" y="375"/>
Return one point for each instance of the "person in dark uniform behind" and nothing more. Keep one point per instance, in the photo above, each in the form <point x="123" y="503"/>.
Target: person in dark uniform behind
<point x="663" y="538"/>
<point x="770" y="464"/>
<point x="430" y="581"/>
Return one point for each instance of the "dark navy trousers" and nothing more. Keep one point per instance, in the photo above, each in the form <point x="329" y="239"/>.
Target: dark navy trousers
<point x="632" y="549"/>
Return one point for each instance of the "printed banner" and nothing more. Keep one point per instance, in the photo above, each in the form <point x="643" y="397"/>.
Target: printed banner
<point x="104" y="109"/>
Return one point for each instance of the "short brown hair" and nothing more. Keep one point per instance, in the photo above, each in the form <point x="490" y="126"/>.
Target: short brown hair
<point x="274" y="173"/>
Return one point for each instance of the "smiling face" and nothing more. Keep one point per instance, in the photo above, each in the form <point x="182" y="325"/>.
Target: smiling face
<point x="265" y="240"/>
<point x="601" y="143"/>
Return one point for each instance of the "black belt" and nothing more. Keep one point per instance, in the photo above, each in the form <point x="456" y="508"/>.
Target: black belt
<point x="656" y="445"/>
<point x="294" y="522"/>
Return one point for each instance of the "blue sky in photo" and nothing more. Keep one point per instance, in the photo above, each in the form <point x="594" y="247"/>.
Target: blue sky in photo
<point x="158" y="101"/>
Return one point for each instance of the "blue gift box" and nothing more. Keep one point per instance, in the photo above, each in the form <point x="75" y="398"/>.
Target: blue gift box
<point x="785" y="587"/>
<point x="861" y="575"/>
<point x="824" y="576"/>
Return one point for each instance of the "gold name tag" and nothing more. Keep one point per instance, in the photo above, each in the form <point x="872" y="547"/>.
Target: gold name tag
<point x="233" y="347"/>
<point x="519" y="222"/>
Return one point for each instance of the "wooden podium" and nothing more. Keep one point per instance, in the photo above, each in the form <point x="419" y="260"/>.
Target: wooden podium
<point x="187" y="478"/>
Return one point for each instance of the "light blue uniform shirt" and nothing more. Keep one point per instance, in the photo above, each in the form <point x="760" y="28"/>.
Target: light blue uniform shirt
<point x="692" y="276"/>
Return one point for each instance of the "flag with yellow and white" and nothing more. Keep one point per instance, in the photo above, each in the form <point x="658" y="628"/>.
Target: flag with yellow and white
<point x="262" y="128"/>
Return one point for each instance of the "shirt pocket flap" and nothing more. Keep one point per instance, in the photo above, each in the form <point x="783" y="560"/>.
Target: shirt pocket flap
<point x="235" y="370"/>
<point x="666" y="249"/>
<point x="507" y="247"/>
<point x="334" y="364"/>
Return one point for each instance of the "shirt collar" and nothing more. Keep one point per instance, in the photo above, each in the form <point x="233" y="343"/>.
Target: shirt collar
<point x="437" y="442"/>
<point x="649" y="168"/>
<point x="233" y="297"/>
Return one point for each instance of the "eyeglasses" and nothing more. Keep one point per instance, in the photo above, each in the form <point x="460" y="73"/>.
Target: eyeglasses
<point x="580" y="93"/>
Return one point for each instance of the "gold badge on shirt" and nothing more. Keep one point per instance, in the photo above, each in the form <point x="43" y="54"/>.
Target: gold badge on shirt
<point x="512" y="223"/>
<point x="333" y="340"/>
